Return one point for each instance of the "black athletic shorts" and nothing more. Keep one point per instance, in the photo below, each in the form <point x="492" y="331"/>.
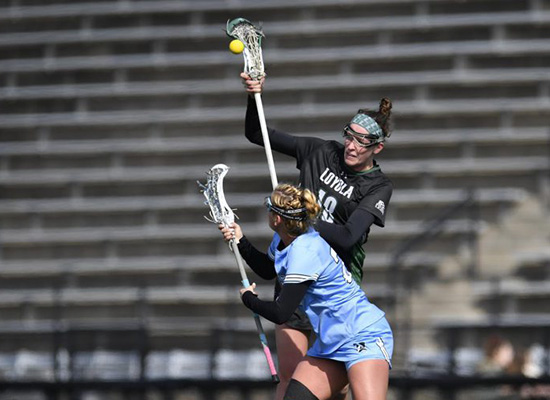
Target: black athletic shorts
<point x="299" y="320"/>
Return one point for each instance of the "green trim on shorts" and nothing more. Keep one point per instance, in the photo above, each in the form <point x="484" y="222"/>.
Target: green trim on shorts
<point x="356" y="263"/>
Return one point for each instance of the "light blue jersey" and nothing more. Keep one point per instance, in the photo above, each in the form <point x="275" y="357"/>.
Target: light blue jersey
<point x="338" y="309"/>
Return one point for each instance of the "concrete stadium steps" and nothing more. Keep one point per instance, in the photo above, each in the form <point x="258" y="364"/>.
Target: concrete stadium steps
<point x="207" y="92"/>
<point x="81" y="304"/>
<point x="188" y="239"/>
<point x="60" y="230"/>
<point x="510" y="294"/>
<point x="501" y="246"/>
<point x="161" y="303"/>
<point x="423" y="112"/>
<point x="157" y="151"/>
<point x="196" y="14"/>
<point x="526" y="289"/>
<point x="205" y="332"/>
<point x="141" y="61"/>
<point x="109" y="110"/>
<point x="513" y="295"/>
<point x="157" y="211"/>
<point x="525" y="172"/>
<point x="142" y="271"/>
<point x="499" y="283"/>
<point x="219" y="63"/>
<point x="279" y="25"/>
<point x="163" y="270"/>
<point x="281" y="34"/>
<point x="512" y="289"/>
<point x="437" y="299"/>
<point x="400" y="86"/>
<point x="533" y="264"/>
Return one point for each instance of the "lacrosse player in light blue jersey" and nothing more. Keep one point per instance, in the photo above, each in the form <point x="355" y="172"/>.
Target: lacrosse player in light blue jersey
<point x="354" y="341"/>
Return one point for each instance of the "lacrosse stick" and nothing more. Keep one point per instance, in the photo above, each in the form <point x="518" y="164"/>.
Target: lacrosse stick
<point x="251" y="37"/>
<point x="221" y="213"/>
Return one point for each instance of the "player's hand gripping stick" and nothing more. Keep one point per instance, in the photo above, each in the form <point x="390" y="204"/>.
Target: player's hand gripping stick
<point x="221" y="213"/>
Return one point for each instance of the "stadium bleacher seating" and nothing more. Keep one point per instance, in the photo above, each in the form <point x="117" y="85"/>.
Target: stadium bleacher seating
<point x="110" y="111"/>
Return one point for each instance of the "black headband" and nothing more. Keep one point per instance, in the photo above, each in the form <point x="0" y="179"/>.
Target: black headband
<point x="297" y="214"/>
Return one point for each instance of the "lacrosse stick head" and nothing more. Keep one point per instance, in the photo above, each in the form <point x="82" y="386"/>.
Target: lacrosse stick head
<point x="251" y="36"/>
<point x="220" y="212"/>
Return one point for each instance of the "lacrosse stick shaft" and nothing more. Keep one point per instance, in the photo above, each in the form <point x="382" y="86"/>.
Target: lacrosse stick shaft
<point x="265" y="136"/>
<point x="239" y="259"/>
<point x="221" y="213"/>
<point x="259" y="328"/>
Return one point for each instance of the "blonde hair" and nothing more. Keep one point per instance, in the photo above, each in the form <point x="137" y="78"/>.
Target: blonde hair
<point x="289" y="197"/>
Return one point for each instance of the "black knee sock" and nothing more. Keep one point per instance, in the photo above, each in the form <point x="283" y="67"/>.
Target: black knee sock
<point x="298" y="391"/>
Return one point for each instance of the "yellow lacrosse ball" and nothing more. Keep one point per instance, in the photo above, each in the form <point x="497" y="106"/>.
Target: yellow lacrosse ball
<point x="236" y="46"/>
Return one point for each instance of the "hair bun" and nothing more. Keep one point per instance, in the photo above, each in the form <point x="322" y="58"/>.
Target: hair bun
<point x="385" y="106"/>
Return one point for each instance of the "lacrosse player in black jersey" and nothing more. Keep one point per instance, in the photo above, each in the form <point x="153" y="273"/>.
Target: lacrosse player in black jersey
<point x="351" y="188"/>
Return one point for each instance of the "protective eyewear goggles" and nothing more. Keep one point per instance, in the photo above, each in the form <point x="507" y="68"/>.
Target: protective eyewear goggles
<point x="361" y="139"/>
<point x="298" y="214"/>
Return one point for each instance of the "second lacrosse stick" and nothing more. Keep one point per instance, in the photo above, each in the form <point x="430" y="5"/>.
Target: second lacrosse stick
<point x="221" y="213"/>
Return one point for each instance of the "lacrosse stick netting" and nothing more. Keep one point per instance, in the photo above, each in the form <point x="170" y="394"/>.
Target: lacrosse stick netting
<point x="251" y="37"/>
<point x="221" y="213"/>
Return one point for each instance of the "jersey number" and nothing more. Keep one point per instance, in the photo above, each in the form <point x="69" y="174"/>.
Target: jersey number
<point x="347" y="275"/>
<point x="328" y="204"/>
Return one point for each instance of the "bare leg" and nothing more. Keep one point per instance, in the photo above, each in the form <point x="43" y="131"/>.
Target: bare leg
<point x="369" y="380"/>
<point x="292" y="346"/>
<point x="321" y="376"/>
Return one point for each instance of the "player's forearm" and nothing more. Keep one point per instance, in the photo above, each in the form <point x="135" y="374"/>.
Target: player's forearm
<point x="252" y="127"/>
<point x="259" y="262"/>
<point x="346" y="236"/>
<point x="280" y="310"/>
<point x="336" y="235"/>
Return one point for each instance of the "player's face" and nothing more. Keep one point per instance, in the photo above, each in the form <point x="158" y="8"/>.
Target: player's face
<point x="359" y="152"/>
<point x="271" y="219"/>
<point x="358" y="135"/>
<point x="270" y="214"/>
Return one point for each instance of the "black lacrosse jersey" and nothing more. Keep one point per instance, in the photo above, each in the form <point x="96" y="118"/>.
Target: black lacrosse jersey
<point x="340" y="190"/>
